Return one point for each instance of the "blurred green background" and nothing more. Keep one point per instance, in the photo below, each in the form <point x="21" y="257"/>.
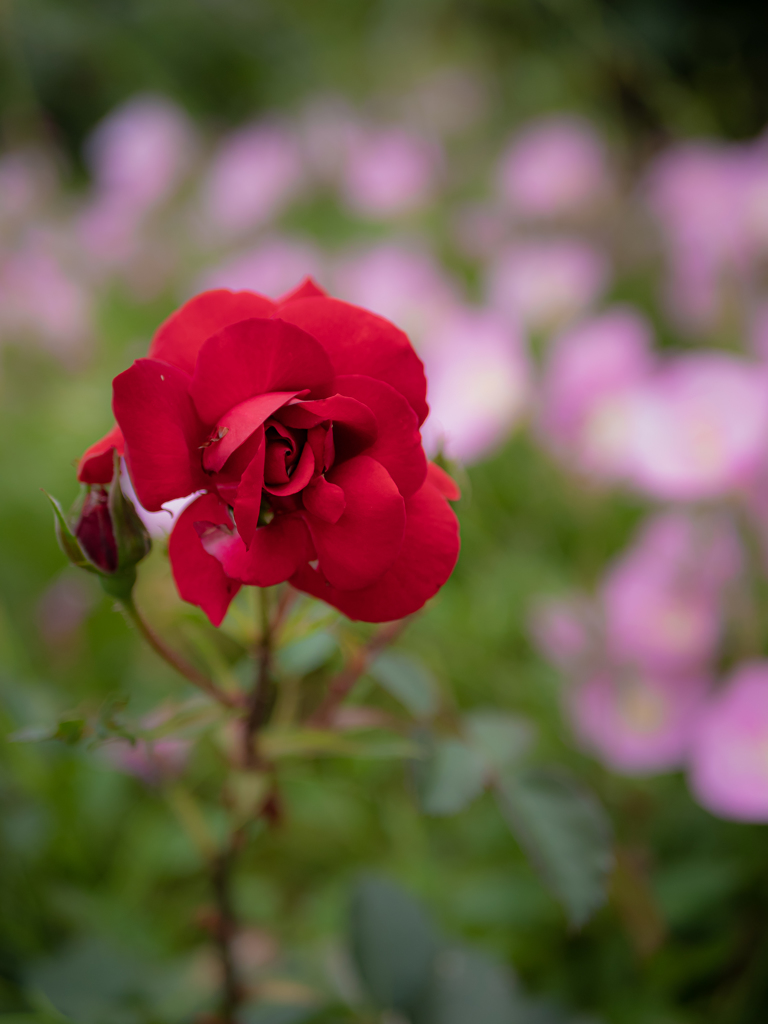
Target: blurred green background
<point x="95" y="874"/>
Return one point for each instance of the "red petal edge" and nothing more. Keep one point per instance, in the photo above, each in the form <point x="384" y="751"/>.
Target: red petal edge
<point x="199" y="577"/>
<point x="96" y="464"/>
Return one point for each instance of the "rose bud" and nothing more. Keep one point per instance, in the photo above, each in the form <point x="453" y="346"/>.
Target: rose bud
<point x="103" y="534"/>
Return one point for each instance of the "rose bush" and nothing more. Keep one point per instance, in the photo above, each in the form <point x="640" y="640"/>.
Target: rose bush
<point x="296" y="423"/>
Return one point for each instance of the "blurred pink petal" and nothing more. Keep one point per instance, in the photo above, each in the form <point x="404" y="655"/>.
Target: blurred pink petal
<point x="637" y="723"/>
<point x="405" y="285"/>
<point x="699" y="427"/>
<point x="555" y="166"/>
<point x="151" y="761"/>
<point x="547" y="283"/>
<point x="273" y="267"/>
<point x="255" y="173"/>
<point x="561" y="631"/>
<point x="109" y="233"/>
<point x="140" y="151"/>
<point x="729" y="759"/>
<point x="663" y="598"/>
<point x="477" y="384"/>
<point x="389" y="171"/>
<point x="589" y="374"/>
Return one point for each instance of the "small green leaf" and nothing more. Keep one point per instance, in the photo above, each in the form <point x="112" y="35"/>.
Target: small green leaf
<point x="68" y="542"/>
<point x="453" y="777"/>
<point x="565" y="832"/>
<point x="307" y="654"/>
<point x="408" y="681"/>
<point x="71" y="731"/>
<point x="468" y="986"/>
<point x="502" y="739"/>
<point x="393" y="944"/>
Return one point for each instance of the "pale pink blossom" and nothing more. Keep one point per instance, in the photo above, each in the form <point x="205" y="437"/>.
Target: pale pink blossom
<point x="554" y="166"/>
<point x="140" y="151"/>
<point x="404" y="284"/>
<point x="478" y="384"/>
<point x="590" y="373"/>
<point x="152" y="761"/>
<point x="637" y="722"/>
<point x="699" y="427"/>
<point x="548" y="282"/>
<point x="729" y="757"/>
<point x="561" y="630"/>
<point x="389" y="171"/>
<point x="272" y="267"/>
<point x="663" y="598"/>
<point x="256" y="172"/>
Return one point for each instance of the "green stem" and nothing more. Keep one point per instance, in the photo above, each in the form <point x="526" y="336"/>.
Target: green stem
<point x="176" y="661"/>
<point x="260" y="700"/>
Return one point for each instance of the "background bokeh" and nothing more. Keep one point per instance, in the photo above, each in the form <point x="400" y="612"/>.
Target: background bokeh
<point x="566" y="207"/>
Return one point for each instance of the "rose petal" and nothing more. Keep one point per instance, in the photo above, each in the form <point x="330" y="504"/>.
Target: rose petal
<point x="398" y="445"/>
<point x="162" y="432"/>
<point x="97" y="463"/>
<point x="324" y="500"/>
<point x="181" y="337"/>
<point x="444" y="483"/>
<point x="199" y="576"/>
<point x="252" y="358"/>
<point x="237" y="425"/>
<point x="354" y="424"/>
<point x="427" y="556"/>
<point x="302" y="474"/>
<point x="364" y="542"/>
<point x="308" y="289"/>
<point x="247" y="505"/>
<point x="275" y="552"/>
<point x="361" y="342"/>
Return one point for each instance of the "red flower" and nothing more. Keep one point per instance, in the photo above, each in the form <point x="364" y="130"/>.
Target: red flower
<point x="299" y="420"/>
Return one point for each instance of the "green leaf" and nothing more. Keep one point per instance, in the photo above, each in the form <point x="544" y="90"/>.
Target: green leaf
<point x="453" y="777"/>
<point x="564" y="831"/>
<point x="408" y="681"/>
<point x="393" y="944"/>
<point x="307" y="654"/>
<point x="68" y="542"/>
<point x="502" y="739"/>
<point x="131" y="536"/>
<point x="468" y="986"/>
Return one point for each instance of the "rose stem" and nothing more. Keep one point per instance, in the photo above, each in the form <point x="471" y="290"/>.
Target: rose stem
<point x="259" y="700"/>
<point x="356" y="665"/>
<point x="225" y="929"/>
<point x="175" y="660"/>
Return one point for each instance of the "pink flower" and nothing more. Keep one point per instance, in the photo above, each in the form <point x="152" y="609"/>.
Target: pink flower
<point x="151" y="761"/>
<point x="255" y="173"/>
<point x="561" y="631"/>
<point x="663" y="598"/>
<point x="729" y="763"/>
<point x="404" y="285"/>
<point x="547" y="283"/>
<point x="699" y="427"/>
<point x="555" y="166"/>
<point x="273" y="267"/>
<point x="478" y="384"/>
<point x="389" y="172"/>
<point x="140" y="151"/>
<point x="590" y="373"/>
<point x="637" y="723"/>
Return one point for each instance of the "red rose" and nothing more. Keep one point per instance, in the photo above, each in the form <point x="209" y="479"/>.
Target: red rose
<point x="299" y="419"/>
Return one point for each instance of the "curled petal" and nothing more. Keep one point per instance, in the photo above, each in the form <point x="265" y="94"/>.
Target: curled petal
<point x="97" y="463"/>
<point x="247" y="504"/>
<point x="302" y="474"/>
<point x="275" y="552"/>
<point x="324" y="500"/>
<point x="354" y="424"/>
<point x="359" y="342"/>
<point x="237" y="425"/>
<point x="398" y="443"/>
<point x="364" y="542"/>
<point x="181" y="337"/>
<point x="252" y="358"/>
<point x="162" y="432"/>
<point x="200" y="578"/>
<point x="444" y="483"/>
<point x="427" y="556"/>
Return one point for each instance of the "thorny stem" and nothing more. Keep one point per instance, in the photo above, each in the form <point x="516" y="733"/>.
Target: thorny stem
<point x="357" y="664"/>
<point x="176" y="661"/>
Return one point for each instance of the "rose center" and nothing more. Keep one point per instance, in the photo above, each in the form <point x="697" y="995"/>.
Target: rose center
<point x="284" y="446"/>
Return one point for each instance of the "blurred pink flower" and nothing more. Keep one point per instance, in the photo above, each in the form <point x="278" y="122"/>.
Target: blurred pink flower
<point x="110" y="233"/>
<point x="478" y="230"/>
<point x="140" y="151"/>
<point x="637" y="723"/>
<point x="255" y="173"/>
<point x="758" y="332"/>
<point x="729" y="759"/>
<point x="590" y="372"/>
<point x="560" y="630"/>
<point x="554" y="166"/>
<point x="405" y="285"/>
<point x="41" y="299"/>
<point x="699" y="427"/>
<point x="663" y="598"/>
<point x="151" y="761"/>
<point x="548" y="282"/>
<point x="478" y="384"/>
<point x="272" y="267"/>
<point x="389" y="171"/>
